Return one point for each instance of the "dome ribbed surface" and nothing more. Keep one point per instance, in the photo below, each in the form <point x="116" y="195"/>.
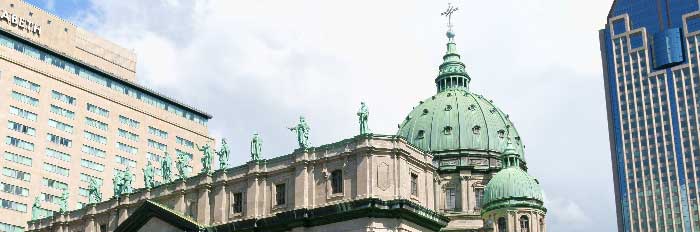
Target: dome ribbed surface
<point x="458" y="120"/>
<point x="512" y="186"/>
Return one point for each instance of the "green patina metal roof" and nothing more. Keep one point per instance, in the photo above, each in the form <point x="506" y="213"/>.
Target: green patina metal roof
<point x="512" y="186"/>
<point x="456" y="119"/>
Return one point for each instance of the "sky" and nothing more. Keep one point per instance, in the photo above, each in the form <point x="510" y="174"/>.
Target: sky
<point x="256" y="66"/>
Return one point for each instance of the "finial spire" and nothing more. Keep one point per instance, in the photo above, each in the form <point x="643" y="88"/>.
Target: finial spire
<point x="448" y="13"/>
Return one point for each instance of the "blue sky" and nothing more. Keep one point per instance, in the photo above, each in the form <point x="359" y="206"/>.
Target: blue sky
<point x="257" y="65"/>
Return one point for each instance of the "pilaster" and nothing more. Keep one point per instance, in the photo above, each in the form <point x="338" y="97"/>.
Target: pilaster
<point x="203" y="205"/>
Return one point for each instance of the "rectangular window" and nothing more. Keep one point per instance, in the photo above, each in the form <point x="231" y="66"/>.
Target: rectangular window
<point x="11" y="205"/>
<point x="86" y="178"/>
<point x="23" y="113"/>
<point x="50" y="198"/>
<point x="20" y="175"/>
<point x="92" y="165"/>
<point x="98" y="110"/>
<point x="53" y="184"/>
<point x="96" y="124"/>
<point x="62" y="97"/>
<point x="157" y="145"/>
<point x="15" y="158"/>
<point x="450" y="199"/>
<point x="280" y="194"/>
<point x="59" y="140"/>
<point x="27" y="84"/>
<point x="238" y="202"/>
<point x="94" y="151"/>
<point x="63" y="112"/>
<point x="15" y="142"/>
<point x="57" y="155"/>
<point x="95" y="137"/>
<point x="128" y="122"/>
<point x="10" y="228"/>
<point x="127" y="148"/>
<point x="125" y="161"/>
<point x="25" y="99"/>
<point x="157" y="132"/>
<point x="55" y="169"/>
<point x="414" y="184"/>
<point x="479" y="196"/>
<point x="337" y="181"/>
<point x="179" y="152"/>
<point x="128" y="135"/>
<point x="83" y="192"/>
<point x="153" y="157"/>
<point x="21" y="128"/>
<point x="184" y="142"/>
<point x="61" y="126"/>
<point x="14" y="190"/>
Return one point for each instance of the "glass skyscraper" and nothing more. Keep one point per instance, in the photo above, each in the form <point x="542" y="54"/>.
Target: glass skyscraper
<point x="652" y="82"/>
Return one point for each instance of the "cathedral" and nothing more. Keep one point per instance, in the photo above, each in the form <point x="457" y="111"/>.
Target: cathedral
<point x="457" y="163"/>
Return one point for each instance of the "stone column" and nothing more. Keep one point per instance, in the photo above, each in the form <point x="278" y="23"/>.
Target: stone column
<point x="466" y="194"/>
<point x="301" y="195"/>
<point x="90" y="224"/>
<point x="180" y="205"/>
<point x="221" y="204"/>
<point x="123" y="214"/>
<point x="203" y="206"/>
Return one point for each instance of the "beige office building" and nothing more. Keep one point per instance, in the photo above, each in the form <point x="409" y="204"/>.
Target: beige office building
<point x="74" y="110"/>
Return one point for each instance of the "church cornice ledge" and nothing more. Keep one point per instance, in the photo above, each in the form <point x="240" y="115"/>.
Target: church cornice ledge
<point x="368" y="207"/>
<point x="514" y="203"/>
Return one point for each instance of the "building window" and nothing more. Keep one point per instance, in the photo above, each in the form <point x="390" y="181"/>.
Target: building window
<point x="27" y="84"/>
<point x="56" y="169"/>
<point x="128" y="122"/>
<point x="421" y="134"/>
<point x="103" y="228"/>
<point x="184" y="142"/>
<point x="92" y="165"/>
<point x="95" y="137"/>
<point x="15" y="142"/>
<point x="21" y="128"/>
<point x="54" y="184"/>
<point x="128" y="135"/>
<point x="127" y="148"/>
<point x="476" y="130"/>
<point x="541" y="225"/>
<point x="479" y="196"/>
<point x="61" y="126"/>
<point x="63" y="112"/>
<point x="86" y="178"/>
<point x="62" y="97"/>
<point x="450" y="199"/>
<point x="125" y="161"/>
<point x="59" y="140"/>
<point x="447" y="130"/>
<point x="98" y="110"/>
<point x="524" y="224"/>
<point x="179" y="152"/>
<point x="23" y="113"/>
<point x="157" y="132"/>
<point x="502" y="226"/>
<point x="501" y="133"/>
<point x="13" y="189"/>
<point x="337" y="181"/>
<point x="94" y="151"/>
<point x="23" y="160"/>
<point x="153" y="157"/>
<point x="11" y="205"/>
<point x="25" y="99"/>
<point x="414" y="184"/>
<point x="20" y="175"/>
<point x="10" y="228"/>
<point x="238" y="202"/>
<point x="280" y="194"/>
<point x="157" y="145"/>
<point x="96" y="124"/>
<point x="50" y="198"/>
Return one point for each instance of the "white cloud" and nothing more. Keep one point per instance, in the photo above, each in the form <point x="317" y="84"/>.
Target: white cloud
<point x="258" y="65"/>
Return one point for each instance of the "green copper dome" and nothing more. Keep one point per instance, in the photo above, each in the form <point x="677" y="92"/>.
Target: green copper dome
<point x="512" y="186"/>
<point x="455" y="120"/>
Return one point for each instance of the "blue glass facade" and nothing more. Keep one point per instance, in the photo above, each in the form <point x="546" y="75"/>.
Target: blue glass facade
<point x="650" y="59"/>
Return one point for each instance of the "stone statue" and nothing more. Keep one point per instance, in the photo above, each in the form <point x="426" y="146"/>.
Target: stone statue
<point x="63" y="202"/>
<point x="36" y="209"/>
<point x="207" y="157"/>
<point x="148" y="173"/>
<point x="165" y="167"/>
<point x="128" y="179"/>
<point x="182" y="163"/>
<point x="94" y="194"/>
<point x="223" y="155"/>
<point x="256" y="147"/>
<point x="117" y="183"/>
<point x="363" y="115"/>
<point x="302" y="130"/>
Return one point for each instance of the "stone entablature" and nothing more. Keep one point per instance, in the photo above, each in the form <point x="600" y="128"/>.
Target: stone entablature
<point x="372" y="166"/>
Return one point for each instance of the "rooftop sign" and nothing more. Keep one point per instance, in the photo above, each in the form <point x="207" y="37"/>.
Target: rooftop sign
<point x="19" y="22"/>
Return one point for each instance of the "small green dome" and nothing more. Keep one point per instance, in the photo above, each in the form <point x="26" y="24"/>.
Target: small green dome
<point x="512" y="187"/>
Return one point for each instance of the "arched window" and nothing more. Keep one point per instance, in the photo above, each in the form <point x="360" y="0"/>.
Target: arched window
<point x="337" y="181"/>
<point x="541" y="225"/>
<point x="524" y="224"/>
<point x="502" y="227"/>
